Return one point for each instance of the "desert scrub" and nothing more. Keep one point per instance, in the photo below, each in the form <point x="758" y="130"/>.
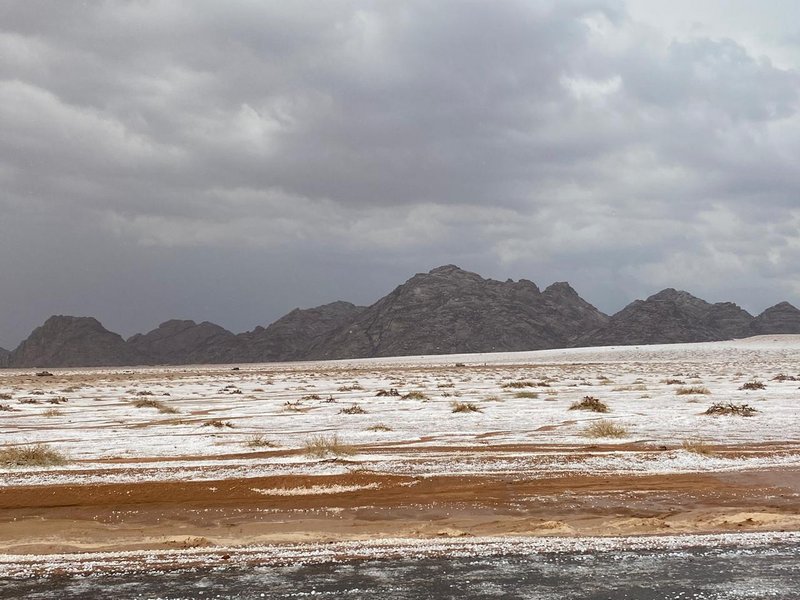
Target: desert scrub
<point x="5" y="396"/>
<point x="218" y="423"/>
<point x="516" y="385"/>
<point x="355" y="409"/>
<point x="389" y="392"/>
<point x="320" y="446"/>
<point x="379" y="427"/>
<point x="695" y="389"/>
<point x="57" y="400"/>
<point x="157" y="404"/>
<point x="414" y="396"/>
<point x="526" y="394"/>
<point x="590" y="403"/>
<point x="465" y="407"/>
<point x="741" y="410"/>
<point x="674" y="382"/>
<point x="356" y="387"/>
<point x="696" y="446"/>
<point x="258" y="441"/>
<point x="753" y="385"/>
<point x="52" y="412"/>
<point x="39" y="455"/>
<point x="605" y="429"/>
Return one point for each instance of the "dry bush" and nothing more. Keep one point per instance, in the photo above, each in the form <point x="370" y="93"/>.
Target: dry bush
<point x="52" y="412"/>
<point x="145" y="393"/>
<point x="720" y="408"/>
<point x="605" y="429"/>
<point x="355" y="409"/>
<point x="320" y="446"/>
<point x="414" y="396"/>
<point x="695" y="389"/>
<point x="28" y="401"/>
<point x="674" y="382"/>
<point x="379" y="427"/>
<point x="465" y="407"/>
<point x="389" y="392"/>
<point x="753" y="385"/>
<point x="218" y="423"/>
<point x="590" y="403"/>
<point x="39" y="455"/>
<point x="778" y="377"/>
<point x="258" y="441"/>
<point x="57" y="400"/>
<point x="350" y="388"/>
<point x="311" y="397"/>
<point x="6" y="408"/>
<point x="5" y="396"/>
<point x="515" y="385"/>
<point x="151" y="403"/>
<point x="697" y="446"/>
<point x="526" y="394"/>
<point x="446" y="385"/>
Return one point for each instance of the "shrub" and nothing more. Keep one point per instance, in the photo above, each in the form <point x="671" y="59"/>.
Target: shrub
<point x="697" y="446"/>
<point x="311" y="397"/>
<point x="753" y="385"/>
<point x="778" y="377"/>
<point x="52" y="412"/>
<point x="675" y="382"/>
<point x="526" y="395"/>
<point x="415" y="396"/>
<point x="258" y="441"/>
<point x="353" y="410"/>
<point x="742" y="410"/>
<point x="5" y="396"/>
<point x="350" y="388"/>
<point x="151" y="403"/>
<point x="218" y="423"/>
<point x="57" y="400"/>
<point x="389" y="392"/>
<point x="695" y="389"/>
<point x="605" y="429"/>
<point x="39" y="455"/>
<point x="465" y="407"/>
<point x="6" y="408"/>
<point x="512" y="385"/>
<point x="590" y="403"/>
<point x="320" y="446"/>
<point x="379" y="427"/>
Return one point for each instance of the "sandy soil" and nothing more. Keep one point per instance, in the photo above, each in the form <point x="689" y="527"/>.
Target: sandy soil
<point x="162" y="477"/>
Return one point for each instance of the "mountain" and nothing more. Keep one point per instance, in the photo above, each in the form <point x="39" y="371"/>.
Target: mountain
<point x="179" y="342"/>
<point x="293" y="336"/>
<point x="74" y="342"/>
<point x="671" y="316"/>
<point x="449" y="310"/>
<point x="4" y="354"/>
<point x="781" y="318"/>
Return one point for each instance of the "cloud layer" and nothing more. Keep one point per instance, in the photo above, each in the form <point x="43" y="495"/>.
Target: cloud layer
<point x="229" y="161"/>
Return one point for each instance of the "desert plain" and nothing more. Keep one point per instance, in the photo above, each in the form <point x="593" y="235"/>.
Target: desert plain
<point x="675" y="439"/>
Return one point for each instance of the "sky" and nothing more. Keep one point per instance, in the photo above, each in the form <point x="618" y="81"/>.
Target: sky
<point x="229" y="161"/>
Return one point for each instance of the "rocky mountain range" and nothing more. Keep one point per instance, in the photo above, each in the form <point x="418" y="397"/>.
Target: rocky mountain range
<point x="447" y="310"/>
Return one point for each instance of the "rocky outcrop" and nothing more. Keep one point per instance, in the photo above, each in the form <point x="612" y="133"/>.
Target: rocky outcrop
<point x="671" y="316"/>
<point x="4" y="354"/>
<point x="449" y="310"/>
<point x="295" y="335"/>
<point x="781" y="318"/>
<point x="179" y="342"/>
<point x="74" y="342"/>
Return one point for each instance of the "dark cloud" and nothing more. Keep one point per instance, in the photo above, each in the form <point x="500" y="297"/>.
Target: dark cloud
<point x="228" y="161"/>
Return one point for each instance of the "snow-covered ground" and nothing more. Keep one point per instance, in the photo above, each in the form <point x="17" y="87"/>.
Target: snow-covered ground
<point x="107" y="438"/>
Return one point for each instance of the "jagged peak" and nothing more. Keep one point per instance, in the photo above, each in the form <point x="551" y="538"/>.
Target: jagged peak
<point x="673" y="295"/>
<point x="782" y="306"/>
<point x="560" y="288"/>
<point x="446" y="269"/>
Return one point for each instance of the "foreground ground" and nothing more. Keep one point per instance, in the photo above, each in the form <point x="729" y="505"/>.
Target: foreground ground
<point x="473" y="445"/>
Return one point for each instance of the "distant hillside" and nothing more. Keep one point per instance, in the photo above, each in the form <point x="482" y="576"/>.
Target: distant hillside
<point x="447" y="310"/>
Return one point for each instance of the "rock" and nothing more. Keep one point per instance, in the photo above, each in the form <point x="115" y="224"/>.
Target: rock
<point x="781" y="318"/>
<point x="177" y="342"/>
<point x="74" y="342"/>
<point x="671" y="316"/>
<point x="449" y="310"/>
<point x="4" y="355"/>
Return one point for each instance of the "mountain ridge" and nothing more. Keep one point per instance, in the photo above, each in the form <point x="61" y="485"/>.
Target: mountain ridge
<point x="444" y="311"/>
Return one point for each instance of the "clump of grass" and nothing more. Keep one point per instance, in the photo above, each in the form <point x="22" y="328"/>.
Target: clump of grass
<point x="145" y="393"/>
<point x="6" y="408"/>
<point x="320" y="446"/>
<point x="355" y="409"/>
<point x="39" y="455"/>
<point x="694" y="389"/>
<point x="446" y="385"/>
<point x="493" y="398"/>
<point x="414" y="396"/>
<point x="526" y="394"/>
<point x="675" y="382"/>
<point x="293" y="406"/>
<point x="350" y="388"/>
<point x="778" y="377"/>
<point x="720" y="408"/>
<point x="218" y="423"/>
<point x="465" y="407"/>
<point x="258" y="441"/>
<point x="515" y="385"/>
<point x="753" y="385"/>
<point x="58" y="400"/>
<point x="379" y="427"/>
<point x="28" y="401"/>
<point x="151" y="403"/>
<point x="5" y="396"/>
<point x="389" y="392"/>
<point x="52" y="412"/>
<point x="311" y="397"/>
<point x="696" y="446"/>
<point x="605" y="429"/>
<point x="590" y="403"/>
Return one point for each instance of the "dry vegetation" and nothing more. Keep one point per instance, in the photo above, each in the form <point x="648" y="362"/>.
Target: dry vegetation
<point x="465" y="407"/>
<point x="729" y="408"/>
<point x="695" y="389"/>
<point x="320" y="446"/>
<point x="605" y="429"/>
<point x="590" y="403"/>
<point x="38" y="455"/>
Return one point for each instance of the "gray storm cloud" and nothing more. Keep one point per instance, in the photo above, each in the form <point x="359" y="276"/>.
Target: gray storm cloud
<point x="229" y="161"/>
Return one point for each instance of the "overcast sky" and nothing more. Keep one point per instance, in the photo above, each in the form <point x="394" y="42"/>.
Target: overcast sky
<point x="229" y="161"/>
